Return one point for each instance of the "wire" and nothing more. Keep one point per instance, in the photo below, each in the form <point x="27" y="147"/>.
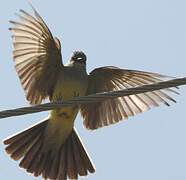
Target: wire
<point x="93" y="98"/>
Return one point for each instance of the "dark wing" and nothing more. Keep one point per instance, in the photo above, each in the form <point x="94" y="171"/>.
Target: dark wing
<point x="110" y="78"/>
<point x="37" y="56"/>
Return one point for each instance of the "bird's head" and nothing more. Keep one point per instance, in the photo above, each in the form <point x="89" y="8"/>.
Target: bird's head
<point x="78" y="59"/>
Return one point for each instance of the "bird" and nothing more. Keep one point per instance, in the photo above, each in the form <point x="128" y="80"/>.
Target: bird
<point x="52" y="148"/>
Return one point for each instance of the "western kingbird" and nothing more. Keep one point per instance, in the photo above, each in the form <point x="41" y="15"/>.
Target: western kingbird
<point x="52" y="148"/>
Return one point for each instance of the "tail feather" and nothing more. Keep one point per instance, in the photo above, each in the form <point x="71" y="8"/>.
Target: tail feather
<point x="40" y="166"/>
<point x="47" y="166"/>
<point x="54" y="167"/>
<point x="31" y="154"/>
<point x="81" y="167"/>
<point x="62" y="173"/>
<point x="23" y="147"/>
<point x="20" y="143"/>
<point x="26" y="132"/>
<point x="83" y="155"/>
<point x="30" y="159"/>
<point x="70" y="160"/>
<point x="71" y="169"/>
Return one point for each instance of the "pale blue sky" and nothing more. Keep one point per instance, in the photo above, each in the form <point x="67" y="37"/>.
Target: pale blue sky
<point x="148" y="35"/>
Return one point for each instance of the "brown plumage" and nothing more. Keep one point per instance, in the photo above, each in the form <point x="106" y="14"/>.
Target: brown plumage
<point x="37" y="55"/>
<point x="53" y="148"/>
<point x="111" y="78"/>
<point x="70" y="160"/>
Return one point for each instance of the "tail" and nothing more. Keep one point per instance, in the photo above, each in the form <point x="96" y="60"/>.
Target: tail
<point x="70" y="160"/>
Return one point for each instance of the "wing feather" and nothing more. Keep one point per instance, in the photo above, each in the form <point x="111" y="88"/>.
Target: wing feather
<point x="111" y="111"/>
<point x="37" y="56"/>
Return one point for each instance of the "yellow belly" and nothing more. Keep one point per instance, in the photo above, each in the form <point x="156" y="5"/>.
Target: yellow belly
<point x="62" y="119"/>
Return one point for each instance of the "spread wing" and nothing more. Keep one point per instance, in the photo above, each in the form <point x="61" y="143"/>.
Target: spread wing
<point x="37" y="56"/>
<point x="110" y="78"/>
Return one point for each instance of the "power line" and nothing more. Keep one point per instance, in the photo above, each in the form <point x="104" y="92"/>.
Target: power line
<point x="93" y="98"/>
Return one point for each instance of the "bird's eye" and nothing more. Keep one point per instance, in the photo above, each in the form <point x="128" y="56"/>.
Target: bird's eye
<point x="79" y="58"/>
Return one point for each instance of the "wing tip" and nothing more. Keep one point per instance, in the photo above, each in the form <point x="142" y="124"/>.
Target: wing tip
<point x="12" y="22"/>
<point x="22" y="11"/>
<point x="36" y="13"/>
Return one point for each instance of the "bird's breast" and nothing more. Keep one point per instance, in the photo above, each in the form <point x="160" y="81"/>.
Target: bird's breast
<point x="69" y="84"/>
